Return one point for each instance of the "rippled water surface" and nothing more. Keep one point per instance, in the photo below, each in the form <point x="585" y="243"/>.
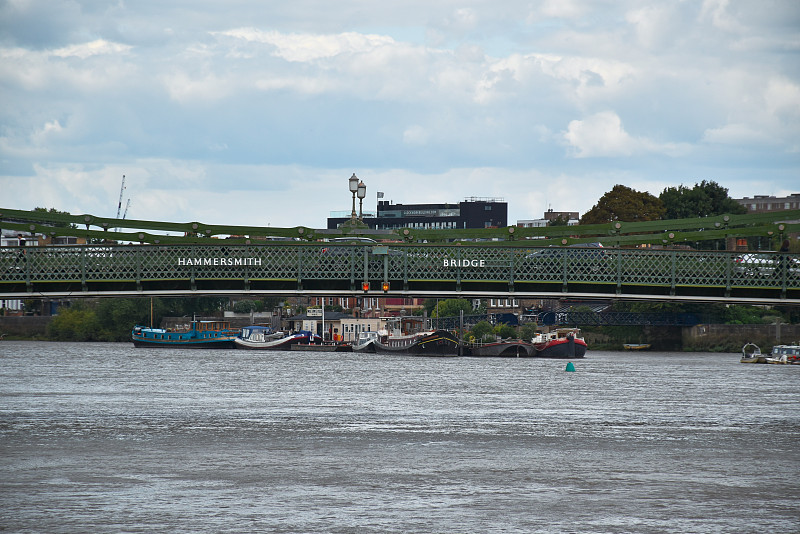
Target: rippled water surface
<point x="108" y="438"/>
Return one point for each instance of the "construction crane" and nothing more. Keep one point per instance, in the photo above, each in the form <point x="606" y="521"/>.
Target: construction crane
<point x="121" y="190"/>
<point x="128" y="205"/>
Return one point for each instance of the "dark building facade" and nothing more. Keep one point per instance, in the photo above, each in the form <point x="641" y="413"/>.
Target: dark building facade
<point x="471" y="213"/>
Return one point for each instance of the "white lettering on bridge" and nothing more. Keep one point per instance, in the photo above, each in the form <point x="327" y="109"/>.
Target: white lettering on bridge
<point x="465" y="263"/>
<point x="219" y="261"/>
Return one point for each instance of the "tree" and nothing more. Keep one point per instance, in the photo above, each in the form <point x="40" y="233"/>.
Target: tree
<point x="452" y="308"/>
<point x="624" y="204"/>
<point x="506" y="331"/>
<point x="483" y="331"/>
<point x="55" y="212"/>
<point x="78" y="323"/>
<point x="705" y="199"/>
<point x="559" y="221"/>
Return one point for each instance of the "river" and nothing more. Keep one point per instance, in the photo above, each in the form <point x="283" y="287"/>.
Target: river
<point x="101" y="437"/>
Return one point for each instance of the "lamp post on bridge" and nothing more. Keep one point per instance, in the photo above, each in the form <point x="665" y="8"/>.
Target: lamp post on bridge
<point x="359" y="189"/>
<point x="353" y="184"/>
<point x="362" y="192"/>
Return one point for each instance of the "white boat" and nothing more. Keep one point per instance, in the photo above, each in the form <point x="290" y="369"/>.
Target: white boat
<point x="785" y="354"/>
<point x="751" y="353"/>
<point x="365" y="342"/>
<point x="264" y="338"/>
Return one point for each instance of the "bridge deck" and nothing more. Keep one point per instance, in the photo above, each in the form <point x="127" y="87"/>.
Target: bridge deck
<point x="409" y="269"/>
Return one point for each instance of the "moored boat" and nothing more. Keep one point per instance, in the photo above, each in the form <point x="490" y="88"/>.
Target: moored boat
<point x="785" y="354"/>
<point x="365" y="342"/>
<point x="560" y="343"/>
<point x="509" y="348"/>
<point x="751" y="353"/>
<point x="199" y="335"/>
<point x="636" y="346"/>
<point x="264" y="338"/>
<point x="431" y="343"/>
<point x="781" y="354"/>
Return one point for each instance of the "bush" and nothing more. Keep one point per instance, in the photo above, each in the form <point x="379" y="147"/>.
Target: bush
<point x="75" y="324"/>
<point x="483" y="331"/>
<point x="506" y="332"/>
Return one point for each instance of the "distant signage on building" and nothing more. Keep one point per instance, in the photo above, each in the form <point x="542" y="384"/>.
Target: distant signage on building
<point x="314" y="312"/>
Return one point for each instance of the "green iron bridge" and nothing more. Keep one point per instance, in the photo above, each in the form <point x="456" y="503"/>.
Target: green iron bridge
<point x="497" y="263"/>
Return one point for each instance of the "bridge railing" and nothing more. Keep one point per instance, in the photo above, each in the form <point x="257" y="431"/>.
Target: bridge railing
<point x="423" y="269"/>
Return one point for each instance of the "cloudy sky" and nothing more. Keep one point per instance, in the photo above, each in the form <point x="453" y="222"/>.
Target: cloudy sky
<point x="257" y="112"/>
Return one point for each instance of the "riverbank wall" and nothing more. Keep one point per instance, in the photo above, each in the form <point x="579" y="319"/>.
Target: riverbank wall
<point x="27" y="327"/>
<point x="728" y="337"/>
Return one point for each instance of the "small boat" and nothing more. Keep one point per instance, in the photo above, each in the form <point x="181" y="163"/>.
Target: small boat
<point x="431" y="343"/>
<point x="365" y="342"/>
<point x="785" y="354"/>
<point x="751" y="353"/>
<point x="199" y="335"/>
<point x="560" y="343"/>
<point x="510" y="348"/>
<point x="264" y="338"/>
<point x="636" y="346"/>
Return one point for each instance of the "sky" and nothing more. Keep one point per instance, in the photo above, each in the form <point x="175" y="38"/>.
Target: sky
<point x="249" y="112"/>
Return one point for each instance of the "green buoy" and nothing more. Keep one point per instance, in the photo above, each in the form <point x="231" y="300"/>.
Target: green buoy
<point x="570" y="368"/>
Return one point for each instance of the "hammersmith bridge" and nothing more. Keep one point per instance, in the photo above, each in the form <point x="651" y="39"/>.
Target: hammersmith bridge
<point x="653" y="260"/>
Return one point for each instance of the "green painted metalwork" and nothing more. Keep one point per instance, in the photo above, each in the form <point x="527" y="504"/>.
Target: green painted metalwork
<point x="772" y="224"/>
<point x="410" y="269"/>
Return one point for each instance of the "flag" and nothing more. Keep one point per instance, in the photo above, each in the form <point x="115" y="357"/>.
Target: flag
<point x="380" y="194"/>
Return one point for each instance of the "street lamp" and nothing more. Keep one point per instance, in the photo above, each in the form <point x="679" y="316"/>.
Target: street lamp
<point x="353" y="184"/>
<point x="362" y="192"/>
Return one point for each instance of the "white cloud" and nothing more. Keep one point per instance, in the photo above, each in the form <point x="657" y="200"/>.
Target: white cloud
<point x="718" y="12"/>
<point x="304" y="47"/>
<point x="735" y="134"/>
<point x="600" y="135"/>
<point x="184" y="88"/>
<point x="93" y="48"/>
<point x="415" y="135"/>
<point x="783" y="98"/>
<point x="654" y="25"/>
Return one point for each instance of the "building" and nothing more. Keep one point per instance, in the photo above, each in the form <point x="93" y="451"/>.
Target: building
<point x="473" y="212"/>
<point x="371" y="306"/>
<point x="351" y="327"/>
<point x="572" y="218"/>
<point x="765" y="203"/>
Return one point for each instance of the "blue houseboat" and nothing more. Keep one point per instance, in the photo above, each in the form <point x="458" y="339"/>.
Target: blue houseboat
<point x="200" y="335"/>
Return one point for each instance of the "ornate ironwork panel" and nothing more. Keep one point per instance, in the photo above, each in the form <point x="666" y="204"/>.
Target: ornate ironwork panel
<point x="664" y="272"/>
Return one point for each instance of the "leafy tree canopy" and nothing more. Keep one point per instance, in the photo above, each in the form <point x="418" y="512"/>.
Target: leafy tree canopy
<point x="57" y="212"/>
<point x="705" y="199"/>
<point x="624" y="204"/>
<point x="452" y="307"/>
<point x="483" y="331"/>
<point x="559" y="221"/>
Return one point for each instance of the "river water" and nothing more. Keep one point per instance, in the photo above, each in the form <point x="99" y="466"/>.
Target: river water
<point x="107" y="438"/>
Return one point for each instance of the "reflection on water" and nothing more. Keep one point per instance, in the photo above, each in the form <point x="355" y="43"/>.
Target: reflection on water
<point x="105" y="437"/>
